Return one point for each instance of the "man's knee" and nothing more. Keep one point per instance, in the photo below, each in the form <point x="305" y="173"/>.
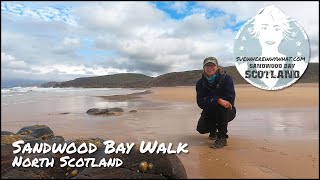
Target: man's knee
<point x="223" y="114"/>
<point x="202" y="130"/>
<point x="202" y="126"/>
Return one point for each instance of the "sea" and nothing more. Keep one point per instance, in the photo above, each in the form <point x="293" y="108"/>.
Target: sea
<point x="59" y="107"/>
<point x="30" y="95"/>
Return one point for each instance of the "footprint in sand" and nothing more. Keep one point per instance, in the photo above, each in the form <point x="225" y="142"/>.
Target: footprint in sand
<point x="271" y="172"/>
<point x="313" y="159"/>
<point x="266" y="149"/>
<point x="283" y="153"/>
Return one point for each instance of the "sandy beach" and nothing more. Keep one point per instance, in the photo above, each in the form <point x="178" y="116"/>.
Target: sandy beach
<point x="251" y="153"/>
<point x="275" y="133"/>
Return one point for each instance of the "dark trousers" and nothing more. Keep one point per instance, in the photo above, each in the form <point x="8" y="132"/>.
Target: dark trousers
<point x="215" y="119"/>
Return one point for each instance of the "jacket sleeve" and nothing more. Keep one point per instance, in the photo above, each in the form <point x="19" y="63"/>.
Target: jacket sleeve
<point x="205" y="102"/>
<point x="229" y="93"/>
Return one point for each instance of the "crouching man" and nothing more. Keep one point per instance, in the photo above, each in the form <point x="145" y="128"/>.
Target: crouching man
<point x="215" y="96"/>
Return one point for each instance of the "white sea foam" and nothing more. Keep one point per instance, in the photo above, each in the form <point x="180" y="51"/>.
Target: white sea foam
<point x="22" y="95"/>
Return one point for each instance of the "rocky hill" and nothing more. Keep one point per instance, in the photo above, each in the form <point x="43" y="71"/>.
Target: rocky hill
<point x="186" y="78"/>
<point x="125" y="80"/>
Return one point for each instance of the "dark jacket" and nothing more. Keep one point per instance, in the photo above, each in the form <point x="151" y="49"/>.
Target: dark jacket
<point x="208" y="95"/>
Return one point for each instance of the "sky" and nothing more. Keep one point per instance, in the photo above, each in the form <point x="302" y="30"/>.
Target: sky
<point x="59" y="41"/>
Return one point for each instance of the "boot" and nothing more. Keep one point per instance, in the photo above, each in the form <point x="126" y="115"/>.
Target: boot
<point x="213" y="135"/>
<point x="220" y="142"/>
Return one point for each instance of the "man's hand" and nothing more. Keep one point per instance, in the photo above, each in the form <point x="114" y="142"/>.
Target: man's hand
<point x="224" y="103"/>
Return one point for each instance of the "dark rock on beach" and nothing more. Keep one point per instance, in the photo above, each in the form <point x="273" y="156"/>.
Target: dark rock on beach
<point x="55" y="139"/>
<point x="9" y="172"/>
<point x="165" y="166"/>
<point x="38" y="131"/>
<point x="116" y="109"/>
<point x="107" y="111"/>
<point x="96" y="141"/>
<point x="9" y="139"/>
<point x="160" y="166"/>
<point x="6" y="133"/>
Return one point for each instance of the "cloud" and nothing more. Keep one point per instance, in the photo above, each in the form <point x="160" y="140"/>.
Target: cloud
<point x="166" y="45"/>
<point x="71" y="42"/>
<point x="46" y="13"/>
<point x="61" y="40"/>
<point x="124" y="18"/>
<point x="179" y="6"/>
<point x="68" y="46"/>
<point x="6" y="58"/>
<point x="305" y="13"/>
<point x="57" y="72"/>
<point x="9" y="61"/>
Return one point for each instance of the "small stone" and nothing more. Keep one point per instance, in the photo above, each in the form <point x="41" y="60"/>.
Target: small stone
<point x="74" y="172"/>
<point x="143" y="166"/>
<point x="150" y="166"/>
<point x="98" y="143"/>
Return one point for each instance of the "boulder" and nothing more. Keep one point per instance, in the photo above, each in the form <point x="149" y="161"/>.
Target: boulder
<point x="115" y="109"/>
<point x="164" y="166"/>
<point x="55" y="172"/>
<point x="107" y="111"/>
<point x="39" y="131"/>
<point x="9" y="139"/>
<point x="96" y="141"/>
<point x="6" y="133"/>
<point x="93" y="111"/>
<point x="55" y="139"/>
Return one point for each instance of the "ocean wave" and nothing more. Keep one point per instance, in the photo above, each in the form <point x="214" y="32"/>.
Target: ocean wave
<point x="20" y="89"/>
<point x="24" y="95"/>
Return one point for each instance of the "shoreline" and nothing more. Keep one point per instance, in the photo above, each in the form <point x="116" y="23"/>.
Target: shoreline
<point x="132" y="96"/>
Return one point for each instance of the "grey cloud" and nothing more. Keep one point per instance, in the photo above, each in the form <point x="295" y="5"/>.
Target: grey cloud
<point x="119" y="18"/>
<point x="147" y="67"/>
<point x="143" y="38"/>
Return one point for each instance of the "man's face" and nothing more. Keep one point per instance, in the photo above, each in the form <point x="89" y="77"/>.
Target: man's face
<point x="210" y="69"/>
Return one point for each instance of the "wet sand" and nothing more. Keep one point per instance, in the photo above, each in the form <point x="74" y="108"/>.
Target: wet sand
<point x="248" y="96"/>
<point x="275" y="133"/>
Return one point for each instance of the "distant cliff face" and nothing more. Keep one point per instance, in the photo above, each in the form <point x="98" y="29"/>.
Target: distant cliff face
<point x="186" y="78"/>
<point x="49" y="84"/>
<point x="125" y="80"/>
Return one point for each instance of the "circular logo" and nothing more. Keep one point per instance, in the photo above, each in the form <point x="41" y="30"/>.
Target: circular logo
<point x="271" y="51"/>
